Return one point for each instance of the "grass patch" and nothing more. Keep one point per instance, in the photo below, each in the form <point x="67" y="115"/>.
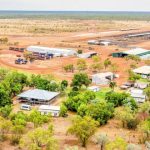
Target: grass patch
<point x="101" y="94"/>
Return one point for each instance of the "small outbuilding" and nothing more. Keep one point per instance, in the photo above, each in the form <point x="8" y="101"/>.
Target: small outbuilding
<point x="144" y="71"/>
<point x="93" y="42"/>
<point x="49" y="109"/>
<point x="94" y="88"/>
<point x="38" y="96"/>
<point x="138" y="95"/>
<point x="102" y="78"/>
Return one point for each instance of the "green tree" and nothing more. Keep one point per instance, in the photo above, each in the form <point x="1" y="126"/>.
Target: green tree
<point x="74" y="102"/>
<point x="100" y="111"/>
<point x="144" y="127"/>
<point x="5" y="111"/>
<point x="79" y="80"/>
<point x="117" y="144"/>
<point x="5" y="126"/>
<point x="116" y="98"/>
<point x="124" y="114"/>
<point x="96" y="67"/>
<point x="4" y="97"/>
<point x="64" y="85"/>
<point x="83" y="128"/>
<point x="112" y="85"/>
<point x="96" y="59"/>
<point x="63" y="110"/>
<point x="69" y="68"/>
<point x="81" y="64"/>
<point x="107" y="63"/>
<point x="19" y="118"/>
<point x="17" y="132"/>
<point x="39" y="139"/>
<point x="38" y="119"/>
<point x="147" y="92"/>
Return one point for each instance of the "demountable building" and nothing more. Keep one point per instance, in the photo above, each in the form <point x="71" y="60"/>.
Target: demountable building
<point x="49" y="109"/>
<point x="38" y="96"/>
<point x="138" y="95"/>
<point x="144" y="71"/>
<point x="93" y="42"/>
<point x="102" y="78"/>
<point x="54" y="51"/>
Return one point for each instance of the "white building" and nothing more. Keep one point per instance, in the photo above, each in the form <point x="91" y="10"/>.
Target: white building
<point x="102" y="78"/>
<point x="144" y="71"/>
<point x="93" y="42"/>
<point x="55" y="51"/>
<point x="49" y="109"/>
<point x="94" y="88"/>
<point x="138" y="95"/>
<point x="105" y="43"/>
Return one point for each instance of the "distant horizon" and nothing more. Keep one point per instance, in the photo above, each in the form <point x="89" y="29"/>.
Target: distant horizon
<point x="75" y="11"/>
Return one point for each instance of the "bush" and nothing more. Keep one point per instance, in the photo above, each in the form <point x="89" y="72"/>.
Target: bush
<point x="63" y="111"/>
<point x="79" y="51"/>
<point x="116" y="98"/>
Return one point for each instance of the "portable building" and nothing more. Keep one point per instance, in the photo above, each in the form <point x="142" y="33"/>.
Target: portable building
<point x="54" y="51"/>
<point x="105" y="43"/>
<point x="94" y="88"/>
<point x="102" y="78"/>
<point x="38" y="96"/>
<point x="144" y="71"/>
<point x="93" y="42"/>
<point x="49" y="109"/>
<point x="138" y="95"/>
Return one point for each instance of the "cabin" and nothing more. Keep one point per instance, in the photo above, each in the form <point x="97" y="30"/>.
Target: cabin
<point x="102" y="78"/>
<point x="49" y="109"/>
<point x="138" y="95"/>
<point x="38" y="96"/>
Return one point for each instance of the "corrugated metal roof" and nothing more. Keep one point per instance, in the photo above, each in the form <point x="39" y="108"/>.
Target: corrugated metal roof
<point x="51" y="50"/>
<point x="38" y="94"/>
<point x="135" y="51"/>
<point x="105" y="74"/>
<point x="138" y="34"/>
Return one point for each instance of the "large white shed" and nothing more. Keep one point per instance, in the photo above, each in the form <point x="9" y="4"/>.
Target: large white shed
<point x="55" y="51"/>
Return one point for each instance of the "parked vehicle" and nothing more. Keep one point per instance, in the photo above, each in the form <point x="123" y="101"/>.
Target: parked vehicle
<point x="25" y="107"/>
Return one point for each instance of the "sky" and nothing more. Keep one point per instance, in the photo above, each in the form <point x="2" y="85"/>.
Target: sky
<point x="76" y="5"/>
